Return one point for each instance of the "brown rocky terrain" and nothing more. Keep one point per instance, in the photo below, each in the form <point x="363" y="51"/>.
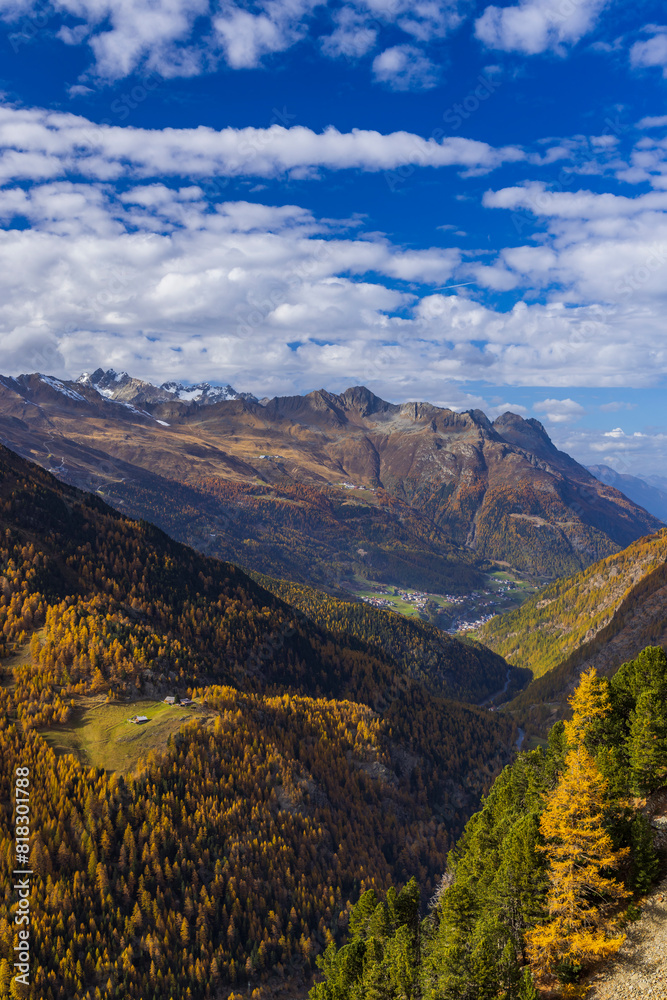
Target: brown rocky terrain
<point x="423" y="484"/>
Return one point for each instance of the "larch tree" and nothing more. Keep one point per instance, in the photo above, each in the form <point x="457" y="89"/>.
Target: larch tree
<point x="581" y="857"/>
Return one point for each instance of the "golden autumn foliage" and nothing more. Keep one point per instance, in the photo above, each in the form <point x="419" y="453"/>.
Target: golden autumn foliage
<point x="319" y="769"/>
<point x="583" y="892"/>
<point x="570" y="613"/>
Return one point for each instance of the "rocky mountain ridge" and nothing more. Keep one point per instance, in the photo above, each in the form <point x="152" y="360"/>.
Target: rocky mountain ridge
<point x="651" y="496"/>
<point x="121" y="386"/>
<point x="325" y="486"/>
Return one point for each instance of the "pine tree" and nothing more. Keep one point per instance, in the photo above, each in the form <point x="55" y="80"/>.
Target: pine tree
<point x="647" y="743"/>
<point x="527" y="989"/>
<point x="645" y="863"/>
<point x="5" y="978"/>
<point x="509" y="974"/>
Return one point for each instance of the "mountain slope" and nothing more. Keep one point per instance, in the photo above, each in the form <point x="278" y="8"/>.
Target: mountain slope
<point x="326" y="488"/>
<point x="600" y="617"/>
<point x="462" y="669"/>
<point x="315" y="763"/>
<point x="68" y="551"/>
<point x="496" y="927"/>
<point x="651" y="498"/>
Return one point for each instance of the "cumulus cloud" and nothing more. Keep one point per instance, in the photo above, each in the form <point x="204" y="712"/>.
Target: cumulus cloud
<point x="187" y="37"/>
<point x="353" y="36"/>
<point x="247" y="37"/>
<point x="38" y="145"/>
<point x="537" y="198"/>
<point x="653" y="121"/>
<point x="560" y="411"/>
<point x="651" y="51"/>
<point x="632" y="453"/>
<point x="156" y="272"/>
<point x="606" y="250"/>
<point x="535" y="26"/>
<point x="158" y="278"/>
<point x="404" y="67"/>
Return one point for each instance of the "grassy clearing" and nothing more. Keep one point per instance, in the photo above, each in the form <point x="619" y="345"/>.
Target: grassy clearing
<point x="100" y="735"/>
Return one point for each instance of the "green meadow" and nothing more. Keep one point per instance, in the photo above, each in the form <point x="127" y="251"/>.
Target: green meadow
<point x="100" y="734"/>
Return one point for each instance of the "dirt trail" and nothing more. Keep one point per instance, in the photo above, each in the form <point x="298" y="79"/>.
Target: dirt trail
<point x="639" y="971"/>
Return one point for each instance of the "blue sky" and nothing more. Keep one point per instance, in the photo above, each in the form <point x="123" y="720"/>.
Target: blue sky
<point x="452" y="201"/>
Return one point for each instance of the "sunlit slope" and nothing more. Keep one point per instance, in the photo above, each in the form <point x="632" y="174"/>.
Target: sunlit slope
<point x="314" y="763"/>
<point x="575" y="611"/>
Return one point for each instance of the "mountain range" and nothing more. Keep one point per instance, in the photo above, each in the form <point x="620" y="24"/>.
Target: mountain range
<point x="323" y="749"/>
<point x="324" y="488"/>
<point x="121" y="387"/>
<point x="649" y="492"/>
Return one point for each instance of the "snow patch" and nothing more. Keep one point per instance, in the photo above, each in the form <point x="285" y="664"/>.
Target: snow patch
<point x="203" y="392"/>
<point x="56" y="384"/>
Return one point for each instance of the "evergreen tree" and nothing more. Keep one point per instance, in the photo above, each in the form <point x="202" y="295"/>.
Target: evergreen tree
<point x="527" y="989"/>
<point x="645" y="862"/>
<point x="647" y="742"/>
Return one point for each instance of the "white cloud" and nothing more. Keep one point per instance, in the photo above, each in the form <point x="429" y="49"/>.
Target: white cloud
<point x="159" y="281"/>
<point x="651" y="51"/>
<point x="404" y="67"/>
<point x="354" y="34"/>
<point x="615" y="406"/>
<point x="653" y="121"/>
<point x="538" y="199"/>
<point x="560" y="411"/>
<point x="246" y="37"/>
<point x="37" y="144"/>
<point x="161" y="275"/>
<point x="603" y="250"/>
<point x="535" y="26"/>
<point x="187" y="37"/>
<point x="634" y="454"/>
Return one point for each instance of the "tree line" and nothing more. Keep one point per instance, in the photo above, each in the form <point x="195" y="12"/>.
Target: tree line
<point x="546" y="874"/>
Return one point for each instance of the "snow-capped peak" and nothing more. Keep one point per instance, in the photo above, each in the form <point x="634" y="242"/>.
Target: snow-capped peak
<point x="56" y="384"/>
<point x="119" y="385"/>
<point x="202" y="392"/>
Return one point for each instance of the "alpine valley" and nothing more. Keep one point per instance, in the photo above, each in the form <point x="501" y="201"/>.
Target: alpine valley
<point x="246" y="781"/>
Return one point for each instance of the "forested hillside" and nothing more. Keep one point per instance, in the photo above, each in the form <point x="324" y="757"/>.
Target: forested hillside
<point x="316" y="763"/>
<point x="315" y="534"/>
<point x="539" y="887"/>
<point x="570" y="612"/>
<point x="461" y="668"/>
<point x="602" y="616"/>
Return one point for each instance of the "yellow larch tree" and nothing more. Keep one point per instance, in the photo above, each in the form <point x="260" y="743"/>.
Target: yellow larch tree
<point x="581" y="855"/>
